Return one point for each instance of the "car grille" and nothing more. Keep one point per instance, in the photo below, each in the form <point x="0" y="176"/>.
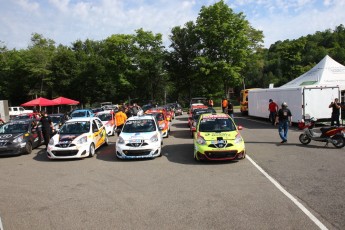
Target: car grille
<point x="64" y="145"/>
<point x="220" y="154"/>
<point x="137" y="144"/>
<point x="67" y="153"/>
<point x="133" y="153"/>
<point x="220" y="145"/>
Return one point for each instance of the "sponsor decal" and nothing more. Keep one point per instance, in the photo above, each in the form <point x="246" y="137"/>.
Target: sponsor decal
<point x="5" y="136"/>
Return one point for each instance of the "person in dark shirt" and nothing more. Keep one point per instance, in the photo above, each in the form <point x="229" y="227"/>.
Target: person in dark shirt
<point x="335" y="112"/>
<point x="47" y="128"/>
<point x="231" y="110"/>
<point x="284" y="120"/>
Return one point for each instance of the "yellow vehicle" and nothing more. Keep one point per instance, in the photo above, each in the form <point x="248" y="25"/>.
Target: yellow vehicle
<point x="217" y="138"/>
<point x="244" y="100"/>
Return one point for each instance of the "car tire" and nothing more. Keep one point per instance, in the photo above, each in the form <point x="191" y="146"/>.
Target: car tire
<point x="28" y="148"/>
<point x="92" y="150"/>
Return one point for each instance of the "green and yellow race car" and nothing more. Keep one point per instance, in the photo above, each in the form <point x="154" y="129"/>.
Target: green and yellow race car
<point x="218" y="138"/>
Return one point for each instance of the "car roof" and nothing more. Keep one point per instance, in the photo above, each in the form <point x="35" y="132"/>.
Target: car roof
<point x="105" y="112"/>
<point x="214" y="115"/>
<point x="143" y="117"/>
<point x="82" y="119"/>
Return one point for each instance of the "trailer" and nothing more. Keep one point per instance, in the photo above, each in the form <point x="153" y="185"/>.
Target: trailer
<point x="302" y="101"/>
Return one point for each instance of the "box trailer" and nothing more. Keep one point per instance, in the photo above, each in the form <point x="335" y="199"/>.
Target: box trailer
<point x="312" y="101"/>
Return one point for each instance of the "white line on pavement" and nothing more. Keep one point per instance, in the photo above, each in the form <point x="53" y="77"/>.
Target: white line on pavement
<point x="286" y="193"/>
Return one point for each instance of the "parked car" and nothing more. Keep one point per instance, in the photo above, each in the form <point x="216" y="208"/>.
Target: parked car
<point x="97" y="110"/>
<point x="108" y="119"/>
<point x="195" y="117"/>
<point x="19" y="137"/>
<point x="192" y="108"/>
<point x="218" y="138"/>
<point x="82" y="113"/>
<point x="77" y="138"/>
<point x="58" y="120"/>
<point x="16" y="110"/>
<point x="163" y="122"/>
<point x="140" y="138"/>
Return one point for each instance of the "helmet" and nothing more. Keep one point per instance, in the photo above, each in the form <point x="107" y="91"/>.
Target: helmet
<point x="284" y="104"/>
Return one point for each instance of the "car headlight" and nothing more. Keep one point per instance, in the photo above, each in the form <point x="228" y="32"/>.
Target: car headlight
<point x="200" y="140"/>
<point x="238" y="139"/>
<point x="82" y="140"/>
<point x="120" y="140"/>
<point x="18" y="139"/>
<point x="154" y="138"/>
<point x="51" y="141"/>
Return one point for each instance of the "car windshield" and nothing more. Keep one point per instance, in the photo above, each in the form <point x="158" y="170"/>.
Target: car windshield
<point x="160" y="116"/>
<point x="21" y="127"/>
<point x="139" y="126"/>
<point x="77" y="127"/>
<point x="21" y="117"/>
<point x="78" y="114"/>
<point x="55" y="119"/>
<point x="217" y="124"/>
<point x="105" y="116"/>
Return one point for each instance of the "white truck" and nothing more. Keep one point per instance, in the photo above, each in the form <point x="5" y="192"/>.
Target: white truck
<point x="302" y="101"/>
<point x="16" y="110"/>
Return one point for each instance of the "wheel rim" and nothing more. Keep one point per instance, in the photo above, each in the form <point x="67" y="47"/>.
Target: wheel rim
<point x="338" y="141"/>
<point x="304" y="139"/>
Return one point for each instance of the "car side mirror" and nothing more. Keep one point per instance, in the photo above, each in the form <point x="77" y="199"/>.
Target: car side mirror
<point x="240" y="127"/>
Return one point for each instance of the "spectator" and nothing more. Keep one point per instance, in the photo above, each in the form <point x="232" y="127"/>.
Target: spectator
<point x="284" y="119"/>
<point x="231" y="110"/>
<point x="273" y="108"/>
<point x="120" y="119"/>
<point x="335" y="112"/>
<point x="47" y="127"/>
<point x="225" y="105"/>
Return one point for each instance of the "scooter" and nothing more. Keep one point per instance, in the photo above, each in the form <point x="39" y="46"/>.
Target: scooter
<point x="334" y="135"/>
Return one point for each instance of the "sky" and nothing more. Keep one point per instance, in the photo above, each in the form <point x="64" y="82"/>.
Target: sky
<point x="66" y="21"/>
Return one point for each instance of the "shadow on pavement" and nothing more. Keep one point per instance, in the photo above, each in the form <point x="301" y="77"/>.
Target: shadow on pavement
<point x="183" y="154"/>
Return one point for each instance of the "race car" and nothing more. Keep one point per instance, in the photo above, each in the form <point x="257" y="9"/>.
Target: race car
<point x="163" y="122"/>
<point x="140" y="138"/>
<point x="108" y="119"/>
<point x="77" y="138"/>
<point x="19" y="137"/>
<point x="195" y="117"/>
<point x="218" y="138"/>
<point x="192" y="108"/>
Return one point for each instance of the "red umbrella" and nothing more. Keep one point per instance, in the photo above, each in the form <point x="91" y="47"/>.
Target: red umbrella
<point x="65" y="101"/>
<point x="41" y="101"/>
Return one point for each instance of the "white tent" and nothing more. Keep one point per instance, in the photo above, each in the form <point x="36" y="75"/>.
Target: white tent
<point x="326" y="73"/>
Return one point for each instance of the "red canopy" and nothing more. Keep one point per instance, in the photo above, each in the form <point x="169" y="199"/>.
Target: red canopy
<point x="65" y="101"/>
<point x="41" y="101"/>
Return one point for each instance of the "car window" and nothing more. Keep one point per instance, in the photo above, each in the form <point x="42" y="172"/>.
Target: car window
<point x="216" y="125"/>
<point x="94" y="126"/>
<point x="139" y="126"/>
<point x="77" y="127"/>
<point x="105" y="116"/>
<point x="99" y="124"/>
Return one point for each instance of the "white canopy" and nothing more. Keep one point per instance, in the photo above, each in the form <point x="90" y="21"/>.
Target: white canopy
<point x="326" y="73"/>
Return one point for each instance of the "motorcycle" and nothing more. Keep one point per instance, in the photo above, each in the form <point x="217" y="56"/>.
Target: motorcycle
<point x="334" y="135"/>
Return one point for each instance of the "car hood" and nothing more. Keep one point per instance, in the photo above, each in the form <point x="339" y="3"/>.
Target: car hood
<point x="67" y="137"/>
<point x="138" y="136"/>
<point x="213" y="136"/>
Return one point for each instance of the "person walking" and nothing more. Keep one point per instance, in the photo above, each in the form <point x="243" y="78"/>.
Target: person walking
<point x="273" y="108"/>
<point x="225" y="105"/>
<point x="284" y="120"/>
<point x="335" y="112"/>
<point x="231" y="110"/>
<point x="47" y="128"/>
<point x="120" y="119"/>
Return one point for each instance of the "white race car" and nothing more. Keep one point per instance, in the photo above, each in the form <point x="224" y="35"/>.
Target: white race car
<point x="77" y="138"/>
<point x="108" y="119"/>
<point x="140" y="138"/>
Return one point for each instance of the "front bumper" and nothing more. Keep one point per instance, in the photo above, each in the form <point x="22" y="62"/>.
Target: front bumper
<point x="124" y="151"/>
<point x="75" y="151"/>
<point x="204" y="152"/>
<point x="12" y="150"/>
